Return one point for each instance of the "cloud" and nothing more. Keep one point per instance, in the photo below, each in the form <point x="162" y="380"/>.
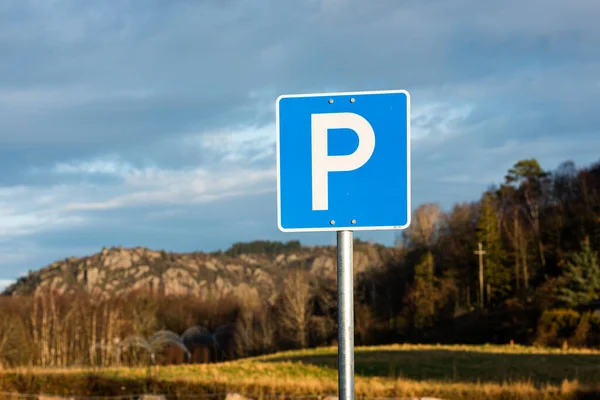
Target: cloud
<point x="34" y="209"/>
<point x="26" y="211"/>
<point x="4" y="283"/>
<point x="152" y="123"/>
<point x="436" y="122"/>
<point x="246" y="146"/>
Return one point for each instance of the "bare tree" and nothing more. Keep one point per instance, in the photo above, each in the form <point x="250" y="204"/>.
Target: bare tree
<point x="424" y="226"/>
<point x="266" y="329"/>
<point x="295" y="309"/>
<point x="8" y="330"/>
<point x="244" y="325"/>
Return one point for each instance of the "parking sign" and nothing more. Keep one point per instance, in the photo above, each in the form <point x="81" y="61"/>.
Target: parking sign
<point x="343" y="161"/>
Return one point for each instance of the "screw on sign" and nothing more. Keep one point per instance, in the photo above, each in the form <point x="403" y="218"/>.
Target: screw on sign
<point x="343" y="164"/>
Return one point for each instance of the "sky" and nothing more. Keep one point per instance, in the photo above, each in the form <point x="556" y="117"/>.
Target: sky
<point x="152" y="123"/>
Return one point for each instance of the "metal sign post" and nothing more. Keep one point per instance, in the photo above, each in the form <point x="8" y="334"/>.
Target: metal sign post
<point x="343" y="165"/>
<point x="345" y="287"/>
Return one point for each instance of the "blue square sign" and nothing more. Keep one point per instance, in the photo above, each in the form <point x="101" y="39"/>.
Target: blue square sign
<point x="343" y="161"/>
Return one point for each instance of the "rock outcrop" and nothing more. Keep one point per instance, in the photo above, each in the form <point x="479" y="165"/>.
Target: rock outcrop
<point x="214" y="275"/>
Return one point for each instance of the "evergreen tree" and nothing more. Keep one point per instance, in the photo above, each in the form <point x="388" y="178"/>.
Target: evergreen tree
<point x="496" y="272"/>
<point x="424" y="271"/>
<point x="581" y="278"/>
<point x="422" y="295"/>
<point x="525" y="171"/>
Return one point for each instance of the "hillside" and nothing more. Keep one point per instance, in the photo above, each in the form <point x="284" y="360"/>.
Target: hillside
<point x="245" y="268"/>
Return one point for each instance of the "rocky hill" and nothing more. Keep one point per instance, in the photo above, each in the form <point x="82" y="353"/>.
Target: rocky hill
<point x="245" y="269"/>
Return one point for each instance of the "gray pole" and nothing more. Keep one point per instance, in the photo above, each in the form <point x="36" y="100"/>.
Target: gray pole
<point x="345" y="281"/>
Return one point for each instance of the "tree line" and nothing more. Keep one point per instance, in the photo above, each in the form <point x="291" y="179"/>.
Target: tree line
<point x="527" y="247"/>
<point x="519" y="264"/>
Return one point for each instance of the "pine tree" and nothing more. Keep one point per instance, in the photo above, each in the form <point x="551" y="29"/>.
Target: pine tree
<point x="496" y="272"/>
<point x="581" y="278"/>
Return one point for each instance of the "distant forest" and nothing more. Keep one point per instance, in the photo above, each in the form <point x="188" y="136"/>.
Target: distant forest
<point x="520" y="265"/>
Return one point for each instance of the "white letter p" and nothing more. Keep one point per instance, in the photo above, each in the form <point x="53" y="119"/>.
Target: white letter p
<point x="322" y="163"/>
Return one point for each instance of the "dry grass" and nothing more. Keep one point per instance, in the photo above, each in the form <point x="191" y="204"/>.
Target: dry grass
<point x="449" y="372"/>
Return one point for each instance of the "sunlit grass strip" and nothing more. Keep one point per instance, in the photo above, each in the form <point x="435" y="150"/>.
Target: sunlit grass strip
<point x="486" y="348"/>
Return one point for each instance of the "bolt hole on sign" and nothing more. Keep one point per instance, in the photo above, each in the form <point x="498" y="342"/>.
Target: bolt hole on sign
<point x="343" y="161"/>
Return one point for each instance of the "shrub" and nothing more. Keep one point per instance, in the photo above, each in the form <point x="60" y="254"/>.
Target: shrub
<point x="556" y="326"/>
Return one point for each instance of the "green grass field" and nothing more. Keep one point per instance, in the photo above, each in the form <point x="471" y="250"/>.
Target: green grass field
<point x="448" y="372"/>
<point x="467" y="364"/>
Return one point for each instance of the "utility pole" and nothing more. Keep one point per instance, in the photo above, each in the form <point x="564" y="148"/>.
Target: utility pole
<point x="480" y="253"/>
